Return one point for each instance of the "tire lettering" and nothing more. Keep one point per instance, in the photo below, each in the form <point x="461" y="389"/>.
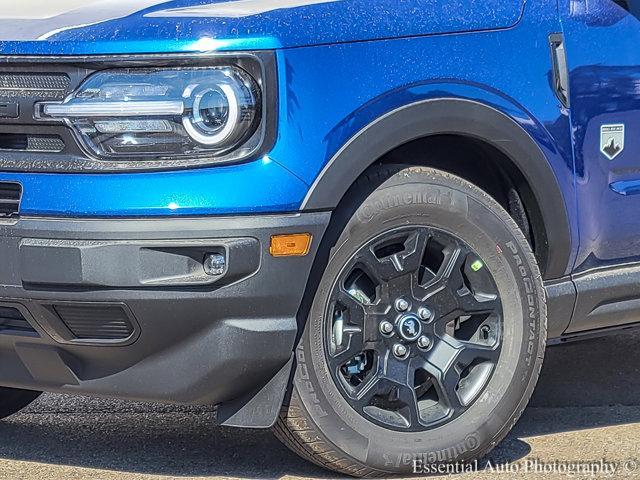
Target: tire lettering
<point x="420" y="197"/>
<point x="530" y="297"/>
<point x="451" y="454"/>
<point x="305" y="384"/>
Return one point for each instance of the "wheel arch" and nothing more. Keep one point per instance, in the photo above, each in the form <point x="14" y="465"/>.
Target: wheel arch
<point x="453" y="116"/>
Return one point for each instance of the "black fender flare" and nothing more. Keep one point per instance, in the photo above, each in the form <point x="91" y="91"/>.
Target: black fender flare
<point x="452" y="116"/>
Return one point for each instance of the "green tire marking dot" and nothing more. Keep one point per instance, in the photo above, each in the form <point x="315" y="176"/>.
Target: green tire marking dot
<point x="477" y="265"/>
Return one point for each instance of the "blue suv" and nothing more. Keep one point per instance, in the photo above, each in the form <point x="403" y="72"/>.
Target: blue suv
<point x="357" y="222"/>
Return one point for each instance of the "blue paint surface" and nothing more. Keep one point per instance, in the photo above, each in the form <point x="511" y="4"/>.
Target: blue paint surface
<point x="144" y="26"/>
<point x="604" y="61"/>
<point x="261" y="186"/>
<point x="344" y="63"/>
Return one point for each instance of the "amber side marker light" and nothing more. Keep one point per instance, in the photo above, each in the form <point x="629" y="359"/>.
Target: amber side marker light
<point x="293" y="245"/>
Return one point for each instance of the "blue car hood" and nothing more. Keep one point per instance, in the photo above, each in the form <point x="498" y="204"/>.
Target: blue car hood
<point x="79" y="27"/>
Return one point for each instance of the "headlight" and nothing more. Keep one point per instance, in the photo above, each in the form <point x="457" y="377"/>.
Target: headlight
<point x="162" y="113"/>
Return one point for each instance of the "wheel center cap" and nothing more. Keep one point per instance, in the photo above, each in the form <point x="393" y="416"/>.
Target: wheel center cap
<point x="409" y="328"/>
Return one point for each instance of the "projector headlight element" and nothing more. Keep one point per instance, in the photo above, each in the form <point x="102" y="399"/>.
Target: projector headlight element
<point x="162" y="113"/>
<point x="214" y="115"/>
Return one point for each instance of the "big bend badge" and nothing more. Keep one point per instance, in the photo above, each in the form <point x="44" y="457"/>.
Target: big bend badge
<point x="612" y="140"/>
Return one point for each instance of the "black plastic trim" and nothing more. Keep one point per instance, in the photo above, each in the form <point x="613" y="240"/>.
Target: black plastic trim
<point x="593" y="304"/>
<point x="607" y="297"/>
<point x="10" y="199"/>
<point x="561" y="300"/>
<point x="560" y="68"/>
<point x="257" y="409"/>
<point x="226" y="342"/>
<point x="158" y="263"/>
<point x="597" y="333"/>
<point x="452" y="116"/>
<point x="25" y="323"/>
<point x="54" y="324"/>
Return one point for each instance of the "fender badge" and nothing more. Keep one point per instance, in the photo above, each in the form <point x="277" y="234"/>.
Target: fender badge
<point x="612" y="140"/>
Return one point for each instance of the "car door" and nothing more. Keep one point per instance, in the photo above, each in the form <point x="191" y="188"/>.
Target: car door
<point x="602" y="43"/>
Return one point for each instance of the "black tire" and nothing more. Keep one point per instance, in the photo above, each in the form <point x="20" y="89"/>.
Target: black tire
<point x="12" y="400"/>
<point x="318" y="423"/>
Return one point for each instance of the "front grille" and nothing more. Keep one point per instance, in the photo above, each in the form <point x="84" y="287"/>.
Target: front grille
<point x="44" y="143"/>
<point x="27" y="144"/>
<point x="40" y="86"/>
<point x="12" y="321"/>
<point x="96" y="322"/>
<point x="30" y="143"/>
<point x="10" y="196"/>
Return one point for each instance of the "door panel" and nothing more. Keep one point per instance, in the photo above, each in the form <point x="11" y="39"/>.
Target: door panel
<point x="603" y="50"/>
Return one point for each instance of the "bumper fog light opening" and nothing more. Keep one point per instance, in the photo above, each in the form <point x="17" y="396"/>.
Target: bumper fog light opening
<point x="214" y="264"/>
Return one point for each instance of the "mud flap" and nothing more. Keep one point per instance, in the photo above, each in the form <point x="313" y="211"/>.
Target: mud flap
<point x="258" y="409"/>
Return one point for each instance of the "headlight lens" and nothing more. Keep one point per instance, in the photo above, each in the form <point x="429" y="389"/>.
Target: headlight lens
<point x="162" y="113"/>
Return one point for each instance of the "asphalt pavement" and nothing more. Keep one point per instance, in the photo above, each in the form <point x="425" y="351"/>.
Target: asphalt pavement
<point x="583" y="422"/>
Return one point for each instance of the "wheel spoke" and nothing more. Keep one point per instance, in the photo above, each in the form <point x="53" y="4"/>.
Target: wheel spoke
<point x="400" y="263"/>
<point x="357" y="309"/>
<point x="382" y="270"/>
<point x="445" y="302"/>
<point x="446" y="381"/>
<point x="351" y="346"/>
<point x="449" y="295"/>
<point x="449" y="278"/>
<point x="453" y="264"/>
<point x="392" y="389"/>
<point x="469" y="352"/>
<point x="363" y="395"/>
<point x="411" y="411"/>
<point x="399" y="371"/>
<point x="442" y="365"/>
<point x="348" y="331"/>
<point x="468" y="302"/>
<point x="363" y="315"/>
<point x="415" y="245"/>
<point x="471" y="304"/>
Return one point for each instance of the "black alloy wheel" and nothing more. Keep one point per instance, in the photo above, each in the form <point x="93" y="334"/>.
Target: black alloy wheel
<point x="414" y="328"/>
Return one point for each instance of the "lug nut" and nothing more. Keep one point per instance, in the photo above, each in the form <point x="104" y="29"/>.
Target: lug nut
<point x="402" y="305"/>
<point x="424" y="342"/>
<point x="424" y="313"/>
<point x="485" y="330"/>
<point x="400" y="351"/>
<point x="386" y="328"/>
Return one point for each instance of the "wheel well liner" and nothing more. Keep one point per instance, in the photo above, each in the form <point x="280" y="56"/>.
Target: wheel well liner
<point x="457" y="117"/>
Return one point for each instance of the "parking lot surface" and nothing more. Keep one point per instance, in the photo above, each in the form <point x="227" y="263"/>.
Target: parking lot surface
<point x="585" y="413"/>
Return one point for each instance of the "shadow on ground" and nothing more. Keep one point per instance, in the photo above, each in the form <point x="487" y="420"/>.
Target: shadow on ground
<point x="599" y="376"/>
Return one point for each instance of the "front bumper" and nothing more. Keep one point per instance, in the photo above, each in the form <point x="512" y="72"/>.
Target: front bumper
<point x="163" y="330"/>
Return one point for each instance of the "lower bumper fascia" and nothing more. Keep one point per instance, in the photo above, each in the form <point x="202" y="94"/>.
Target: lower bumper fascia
<point x="162" y="329"/>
